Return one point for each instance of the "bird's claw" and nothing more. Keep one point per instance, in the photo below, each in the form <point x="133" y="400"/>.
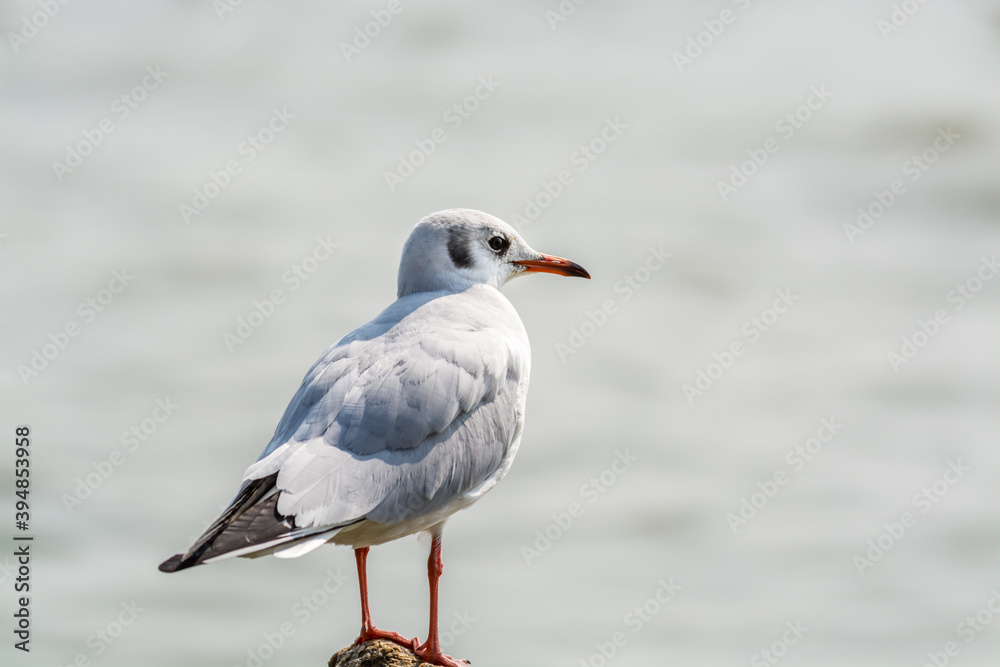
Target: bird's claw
<point x="394" y="637"/>
<point x="425" y="653"/>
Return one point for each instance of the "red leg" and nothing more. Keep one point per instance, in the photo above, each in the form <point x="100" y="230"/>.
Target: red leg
<point x="430" y="650"/>
<point x="368" y="629"/>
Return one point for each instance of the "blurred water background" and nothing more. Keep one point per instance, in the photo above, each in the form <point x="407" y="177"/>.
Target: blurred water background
<point x="608" y="380"/>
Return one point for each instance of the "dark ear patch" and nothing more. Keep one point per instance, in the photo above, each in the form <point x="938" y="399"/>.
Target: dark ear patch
<point x="458" y="249"/>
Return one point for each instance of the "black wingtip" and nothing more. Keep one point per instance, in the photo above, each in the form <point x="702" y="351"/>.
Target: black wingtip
<point x="174" y="563"/>
<point x="251" y="519"/>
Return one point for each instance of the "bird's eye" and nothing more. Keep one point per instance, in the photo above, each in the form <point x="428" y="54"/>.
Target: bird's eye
<point x="499" y="244"/>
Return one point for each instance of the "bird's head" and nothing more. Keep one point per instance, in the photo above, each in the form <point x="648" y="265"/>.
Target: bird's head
<point x="458" y="248"/>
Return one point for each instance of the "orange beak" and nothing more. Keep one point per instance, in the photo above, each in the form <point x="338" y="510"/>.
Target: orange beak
<point x="553" y="264"/>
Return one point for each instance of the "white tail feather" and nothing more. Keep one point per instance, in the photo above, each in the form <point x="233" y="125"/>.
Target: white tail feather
<point x="301" y="548"/>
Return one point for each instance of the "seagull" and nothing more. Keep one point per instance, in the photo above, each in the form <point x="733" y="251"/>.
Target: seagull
<point x="404" y="421"/>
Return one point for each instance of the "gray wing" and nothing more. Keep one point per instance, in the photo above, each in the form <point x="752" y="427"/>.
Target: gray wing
<point x="400" y="424"/>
